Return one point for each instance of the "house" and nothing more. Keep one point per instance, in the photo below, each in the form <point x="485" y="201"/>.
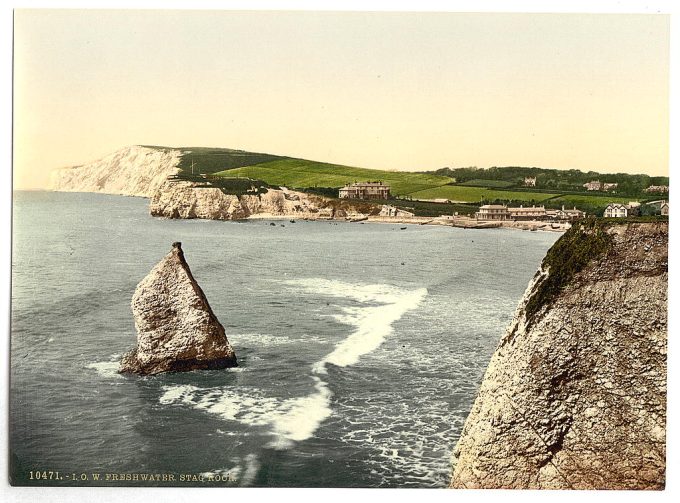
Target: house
<point x="522" y="213"/>
<point x="565" y="215"/>
<point x="618" y="210"/>
<point x="530" y="181"/>
<point x="664" y="208"/>
<point x="594" y="185"/>
<point x="365" y="190"/>
<point x="392" y="211"/>
<point x="661" y="189"/>
<point x="598" y="185"/>
<point x="492" y="212"/>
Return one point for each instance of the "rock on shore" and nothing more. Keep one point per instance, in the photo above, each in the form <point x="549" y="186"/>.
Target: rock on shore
<point x="575" y="395"/>
<point x="176" y="328"/>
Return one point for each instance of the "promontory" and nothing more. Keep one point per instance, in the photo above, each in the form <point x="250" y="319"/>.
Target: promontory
<point x="575" y="395"/>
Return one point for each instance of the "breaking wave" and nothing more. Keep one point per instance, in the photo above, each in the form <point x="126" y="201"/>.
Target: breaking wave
<point x="296" y="419"/>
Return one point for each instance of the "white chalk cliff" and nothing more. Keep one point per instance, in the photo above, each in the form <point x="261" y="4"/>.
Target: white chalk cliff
<point x="181" y="199"/>
<point x="176" y="328"/>
<point x="132" y="171"/>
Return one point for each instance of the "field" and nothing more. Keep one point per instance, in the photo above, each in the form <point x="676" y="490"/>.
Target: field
<point x="491" y="184"/>
<point x="465" y="194"/>
<point x="299" y="173"/>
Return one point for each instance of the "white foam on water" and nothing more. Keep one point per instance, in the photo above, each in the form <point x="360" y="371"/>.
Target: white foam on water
<point x="373" y="325"/>
<point x="296" y="419"/>
<point x="267" y="340"/>
<point x="106" y="369"/>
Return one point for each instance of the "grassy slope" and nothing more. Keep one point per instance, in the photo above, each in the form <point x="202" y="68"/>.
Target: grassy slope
<point x="475" y="194"/>
<point x="302" y="173"/>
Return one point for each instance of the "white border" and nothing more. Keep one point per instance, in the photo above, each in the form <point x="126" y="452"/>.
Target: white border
<point x="129" y="495"/>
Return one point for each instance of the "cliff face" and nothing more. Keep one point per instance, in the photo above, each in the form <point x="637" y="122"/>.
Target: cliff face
<point x="132" y="171"/>
<point x="176" y="328"/>
<point x="186" y="200"/>
<point x="575" y="394"/>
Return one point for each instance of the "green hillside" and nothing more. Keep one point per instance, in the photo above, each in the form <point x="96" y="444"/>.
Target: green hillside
<point x="227" y="168"/>
<point x="300" y="173"/>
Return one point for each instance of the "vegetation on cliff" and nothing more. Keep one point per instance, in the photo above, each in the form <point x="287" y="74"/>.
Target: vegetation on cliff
<point x="586" y="240"/>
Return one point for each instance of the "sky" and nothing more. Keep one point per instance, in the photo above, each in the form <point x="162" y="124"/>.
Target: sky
<point x="385" y="90"/>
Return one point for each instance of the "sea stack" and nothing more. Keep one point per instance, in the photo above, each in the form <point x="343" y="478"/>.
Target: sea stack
<point x="177" y="330"/>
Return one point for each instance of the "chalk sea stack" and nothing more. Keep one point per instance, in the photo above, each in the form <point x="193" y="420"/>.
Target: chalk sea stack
<point x="176" y="328"/>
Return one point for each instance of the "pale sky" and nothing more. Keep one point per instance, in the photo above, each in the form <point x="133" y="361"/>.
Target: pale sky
<point x="403" y="91"/>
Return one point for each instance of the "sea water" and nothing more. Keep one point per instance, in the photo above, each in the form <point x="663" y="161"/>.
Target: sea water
<point x="360" y="346"/>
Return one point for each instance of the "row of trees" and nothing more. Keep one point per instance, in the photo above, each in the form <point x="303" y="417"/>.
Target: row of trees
<point x="570" y="180"/>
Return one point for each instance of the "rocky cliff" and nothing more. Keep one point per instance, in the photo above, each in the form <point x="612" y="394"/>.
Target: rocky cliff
<point x="132" y="171"/>
<point x="182" y="199"/>
<point x="575" y="394"/>
<point x="176" y="328"/>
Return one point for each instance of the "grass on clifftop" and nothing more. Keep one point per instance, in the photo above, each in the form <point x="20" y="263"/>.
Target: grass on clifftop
<point x="300" y="173"/>
<point x="585" y="241"/>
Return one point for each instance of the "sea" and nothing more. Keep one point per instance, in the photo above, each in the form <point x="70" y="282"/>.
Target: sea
<point x="360" y="347"/>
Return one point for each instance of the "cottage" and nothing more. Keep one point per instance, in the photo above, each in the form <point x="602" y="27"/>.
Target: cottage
<point x="492" y="212"/>
<point x="365" y="190"/>
<point x="594" y="185"/>
<point x="392" y="211"/>
<point x="565" y="215"/>
<point x="664" y="208"/>
<point x="530" y="181"/>
<point x="598" y="185"/>
<point x="618" y="210"/>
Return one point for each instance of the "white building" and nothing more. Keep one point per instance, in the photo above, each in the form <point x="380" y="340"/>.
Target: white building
<point x="493" y="212"/>
<point x="392" y="211"/>
<point x="618" y="210"/>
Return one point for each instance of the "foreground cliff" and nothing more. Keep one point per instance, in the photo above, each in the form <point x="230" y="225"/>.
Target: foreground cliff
<point x="575" y="395"/>
<point x="131" y="171"/>
<point x="176" y="328"/>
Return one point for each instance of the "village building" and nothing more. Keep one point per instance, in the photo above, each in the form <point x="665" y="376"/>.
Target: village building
<point x="664" y="208"/>
<point x="392" y="211"/>
<point x="532" y="213"/>
<point x="530" y="181"/>
<point x="365" y="190"/>
<point x="598" y="185"/>
<point x="493" y="212"/>
<point x="594" y="185"/>
<point x="661" y="189"/>
<point x="618" y="210"/>
<point x="565" y="215"/>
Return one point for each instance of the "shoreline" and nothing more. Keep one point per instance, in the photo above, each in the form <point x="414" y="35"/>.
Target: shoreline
<point x="461" y="222"/>
<point x="443" y="221"/>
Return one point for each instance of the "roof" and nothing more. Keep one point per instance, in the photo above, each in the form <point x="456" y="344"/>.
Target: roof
<point x="493" y="207"/>
<point x="530" y="209"/>
<point x="368" y="184"/>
